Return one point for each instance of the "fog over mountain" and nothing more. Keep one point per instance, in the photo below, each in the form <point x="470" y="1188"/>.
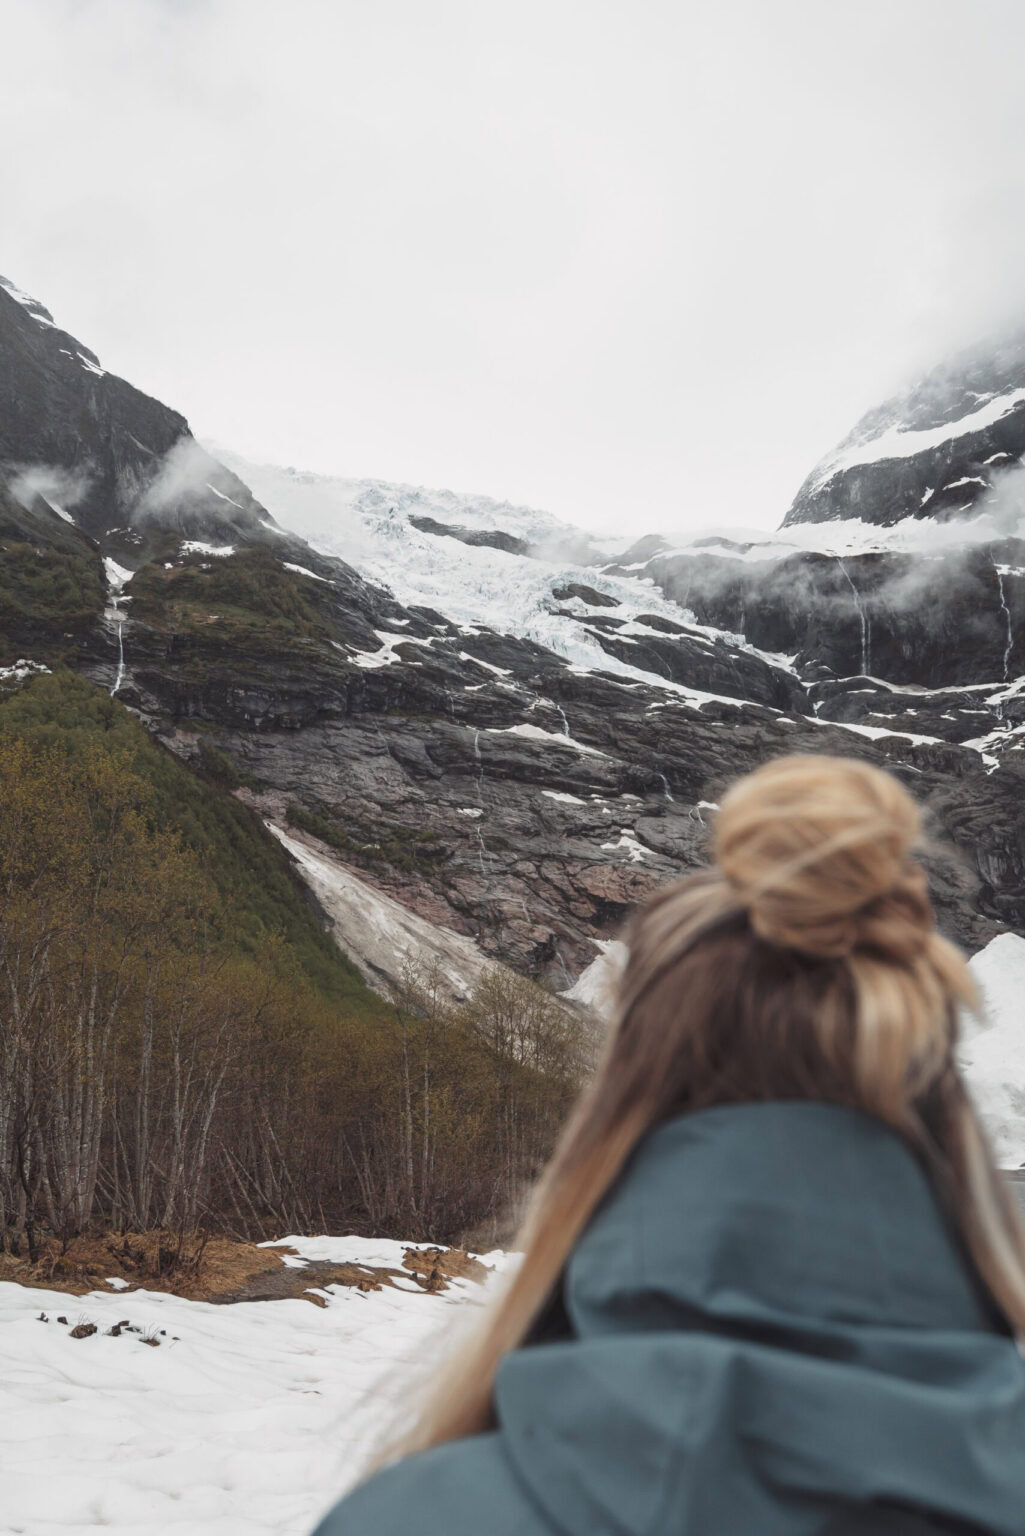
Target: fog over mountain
<point x="510" y="254"/>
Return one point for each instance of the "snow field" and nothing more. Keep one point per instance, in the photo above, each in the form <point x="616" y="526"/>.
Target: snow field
<point x="248" y="1418"/>
<point x="992" y="1050"/>
<point x="254" y="1417"/>
<point x="367" y="524"/>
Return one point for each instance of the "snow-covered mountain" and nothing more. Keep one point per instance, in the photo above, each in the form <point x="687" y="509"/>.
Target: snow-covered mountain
<point x="472" y="710"/>
<point x="937" y="450"/>
<point x="542" y="581"/>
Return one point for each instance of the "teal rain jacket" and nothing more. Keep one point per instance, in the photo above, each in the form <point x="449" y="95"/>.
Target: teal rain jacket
<point x="767" y="1329"/>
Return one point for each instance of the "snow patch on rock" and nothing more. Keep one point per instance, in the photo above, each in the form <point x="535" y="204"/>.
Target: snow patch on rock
<point x="900" y="442"/>
<point x="596" y="985"/>
<point x="378" y="933"/>
<point x="213" y="551"/>
<point x="992" y="1050"/>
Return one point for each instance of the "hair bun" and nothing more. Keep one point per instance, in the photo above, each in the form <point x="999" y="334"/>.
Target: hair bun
<point x="818" y="850"/>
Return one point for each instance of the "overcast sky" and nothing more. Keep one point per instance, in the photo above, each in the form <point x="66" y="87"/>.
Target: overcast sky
<point x="639" y="263"/>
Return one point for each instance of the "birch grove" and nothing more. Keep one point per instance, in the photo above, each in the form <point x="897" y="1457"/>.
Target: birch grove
<point x="157" y="1070"/>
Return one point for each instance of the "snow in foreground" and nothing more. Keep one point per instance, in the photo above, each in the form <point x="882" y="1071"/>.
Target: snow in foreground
<point x="993" y="1049"/>
<point x="249" y="1417"/>
<point x="255" y="1417"/>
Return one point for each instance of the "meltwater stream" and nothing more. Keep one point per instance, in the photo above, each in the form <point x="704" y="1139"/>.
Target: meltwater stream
<point x="866" y="648"/>
<point x="118" y="576"/>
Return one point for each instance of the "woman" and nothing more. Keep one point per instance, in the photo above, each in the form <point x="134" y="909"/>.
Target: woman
<point x="771" y="1282"/>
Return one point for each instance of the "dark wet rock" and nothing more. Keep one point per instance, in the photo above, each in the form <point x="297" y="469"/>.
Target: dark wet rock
<point x="710" y="665"/>
<point x="586" y="594"/>
<point x="662" y="625"/>
<point x="491" y="538"/>
<point x="930" y="620"/>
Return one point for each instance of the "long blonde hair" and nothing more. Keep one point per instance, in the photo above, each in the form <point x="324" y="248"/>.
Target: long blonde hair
<point x="804" y="965"/>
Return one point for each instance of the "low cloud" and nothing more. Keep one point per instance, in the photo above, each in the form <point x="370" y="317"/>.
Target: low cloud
<point x="61" y="488"/>
<point x="184" y="472"/>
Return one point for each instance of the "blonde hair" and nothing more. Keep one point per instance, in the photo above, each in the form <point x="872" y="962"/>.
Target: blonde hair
<point x="804" y="964"/>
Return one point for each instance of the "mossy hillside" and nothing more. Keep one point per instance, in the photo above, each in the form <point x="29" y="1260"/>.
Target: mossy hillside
<point x="407" y="849"/>
<point x="247" y="601"/>
<point x="259" y="896"/>
<point x="51" y="584"/>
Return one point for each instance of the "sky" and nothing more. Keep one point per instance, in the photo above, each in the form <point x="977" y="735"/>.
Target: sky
<point x="640" y="263"/>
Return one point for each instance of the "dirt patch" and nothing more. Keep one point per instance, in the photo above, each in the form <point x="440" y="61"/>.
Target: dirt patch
<point x="285" y="1280"/>
<point x="429" y="1268"/>
<point x="434" y="1267"/>
<point x="197" y="1267"/>
<point x="219" y="1269"/>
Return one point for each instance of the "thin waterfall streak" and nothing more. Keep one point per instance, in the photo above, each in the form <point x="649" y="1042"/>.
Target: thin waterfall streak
<point x="482" y="847"/>
<point x="866" y="643"/>
<point x="1009" y="647"/>
<point x="119" y="679"/>
<point x="538" y="702"/>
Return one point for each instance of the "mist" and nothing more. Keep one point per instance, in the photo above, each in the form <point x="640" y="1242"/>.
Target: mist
<point x="60" y="488"/>
<point x="639" y="269"/>
<point x="184" y="471"/>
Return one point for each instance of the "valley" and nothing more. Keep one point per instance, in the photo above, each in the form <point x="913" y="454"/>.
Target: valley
<point x="494" y="731"/>
<point x="370" y="777"/>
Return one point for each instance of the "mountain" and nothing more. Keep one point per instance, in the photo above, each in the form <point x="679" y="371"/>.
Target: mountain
<point x="475" y="729"/>
<point x="935" y="451"/>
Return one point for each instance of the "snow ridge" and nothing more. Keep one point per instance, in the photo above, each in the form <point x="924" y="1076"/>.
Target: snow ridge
<point x="899" y="441"/>
<point x="366" y="523"/>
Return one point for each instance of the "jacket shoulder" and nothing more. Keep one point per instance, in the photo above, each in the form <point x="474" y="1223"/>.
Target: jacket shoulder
<point x="461" y="1489"/>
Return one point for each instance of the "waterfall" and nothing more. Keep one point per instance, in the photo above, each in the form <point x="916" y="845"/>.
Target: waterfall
<point x="482" y="847"/>
<point x="866" y="648"/>
<point x="557" y="954"/>
<point x="114" y="613"/>
<point x="479" y="770"/>
<point x="1009" y="647"/>
<point x="538" y="702"/>
<point x="119" y="679"/>
<point x="666" y="792"/>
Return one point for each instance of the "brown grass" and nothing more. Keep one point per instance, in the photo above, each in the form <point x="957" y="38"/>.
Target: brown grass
<point x="204" y="1268"/>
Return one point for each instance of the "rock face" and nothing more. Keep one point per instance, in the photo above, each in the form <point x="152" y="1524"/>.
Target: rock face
<point x="935" y="451"/>
<point x="929" y="620"/>
<point x="520" y="759"/>
<point x="84" y="440"/>
<point x="475" y="537"/>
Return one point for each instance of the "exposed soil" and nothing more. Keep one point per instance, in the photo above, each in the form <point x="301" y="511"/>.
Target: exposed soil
<point x="430" y="1268"/>
<point x="219" y="1269"/>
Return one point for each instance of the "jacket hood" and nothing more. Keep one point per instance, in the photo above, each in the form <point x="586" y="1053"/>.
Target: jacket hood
<point x="769" y="1323"/>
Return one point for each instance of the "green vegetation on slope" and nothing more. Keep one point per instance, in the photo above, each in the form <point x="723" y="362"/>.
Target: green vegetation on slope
<point x="258" y="896"/>
<point x="51" y="585"/>
<point x="409" y="849"/>
<point x="183" y="1043"/>
<point x="248" y="599"/>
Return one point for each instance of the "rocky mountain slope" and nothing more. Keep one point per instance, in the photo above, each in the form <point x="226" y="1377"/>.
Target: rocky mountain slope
<point x="935" y="451"/>
<point x="468" y="712"/>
